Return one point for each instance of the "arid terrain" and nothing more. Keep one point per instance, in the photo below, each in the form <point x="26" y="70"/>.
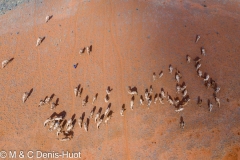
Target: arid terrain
<point x="130" y="40"/>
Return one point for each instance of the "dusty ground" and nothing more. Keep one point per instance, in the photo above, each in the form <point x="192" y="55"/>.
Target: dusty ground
<point x="130" y="40"/>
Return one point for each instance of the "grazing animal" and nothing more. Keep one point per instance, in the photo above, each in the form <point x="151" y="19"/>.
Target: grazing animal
<point x="106" y="99"/>
<point x="178" y="73"/>
<point x="198" y="66"/>
<point x="80" y="120"/>
<point x="160" y="74"/>
<point x="197" y="38"/>
<point x="179" y="109"/>
<point x="97" y="116"/>
<point x="176" y="102"/>
<point x="199" y="73"/>
<point x="25" y="96"/>
<point x="218" y="101"/>
<point x="56" y="125"/>
<point x="94" y="98"/>
<point x="185" y="93"/>
<point x="99" y="122"/>
<point x="4" y="63"/>
<point x="39" y="41"/>
<point x="47" y="18"/>
<point x="53" y="105"/>
<point x="51" y="125"/>
<point x="41" y="103"/>
<point x="131" y="92"/>
<point x="170" y="69"/>
<point x="160" y="99"/>
<point x="188" y="59"/>
<point x="88" y="50"/>
<point x="154" y="76"/>
<point x="182" y="124"/>
<point x="206" y="78"/>
<point x="217" y="90"/>
<point x="132" y="102"/>
<point x="203" y="51"/>
<point x="76" y="91"/>
<point x="210" y="105"/>
<point x="58" y="118"/>
<point x="207" y="84"/>
<point x="85" y="126"/>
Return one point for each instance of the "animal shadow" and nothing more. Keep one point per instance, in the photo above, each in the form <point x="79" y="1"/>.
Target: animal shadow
<point x="102" y="116"/>
<point x="94" y="109"/>
<point x="83" y="115"/>
<point x="30" y="92"/>
<point x="134" y="89"/>
<point x="100" y="110"/>
<point x="133" y="98"/>
<point x="64" y="123"/>
<point x="109" y="88"/>
<point x="90" y="48"/>
<point x="88" y="121"/>
<point x="57" y="102"/>
<point x="123" y="107"/>
<point x="51" y="97"/>
<point x="110" y="113"/>
<point x="109" y="105"/>
<point x="86" y="99"/>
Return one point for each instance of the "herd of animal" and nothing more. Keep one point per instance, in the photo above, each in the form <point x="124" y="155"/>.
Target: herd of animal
<point x="57" y="122"/>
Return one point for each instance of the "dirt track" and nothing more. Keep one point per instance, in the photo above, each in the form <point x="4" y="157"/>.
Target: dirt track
<point x="130" y="40"/>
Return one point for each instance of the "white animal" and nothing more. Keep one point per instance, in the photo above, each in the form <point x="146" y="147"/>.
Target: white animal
<point x="132" y="103"/>
<point x="41" y="103"/>
<point x="88" y="50"/>
<point x="39" y="41"/>
<point x="85" y="126"/>
<point x="94" y="98"/>
<point x="210" y="106"/>
<point x="146" y="95"/>
<point x="106" y="99"/>
<point x="149" y="103"/>
<point x="107" y="111"/>
<point x="25" y="96"/>
<point x="57" y="118"/>
<point x="199" y="73"/>
<point x="197" y="38"/>
<point x="206" y="78"/>
<point x="59" y="130"/>
<point x="161" y="99"/>
<point x="188" y="59"/>
<point x="47" y="121"/>
<point x="178" y="88"/>
<point x="184" y="93"/>
<point x="4" y="63"/>
<point x="154" y="76"/>
<point x="47" y="18"/>
<point x="203" y="51"/>
<point x="170" y="69"/>
<point x="80" y="122"/>
<point x="53" y="105"/>
<point x="179" y="109"/>
<point x="47" y="100"/>
<point x="170" y="101"/>
<point x="217" y="90"/>
<point x="218" y="101"/>
<point x="69" y="128"/>
<point x="177" y="78"/>
<point x="198" y="66"/>
<point x="155" y="98"/>
<point x="107" y="119"/>
<point x="121" y="111"/>
<point x="182" y="124"/>
<point x="163" y="94"/>
<point x="160" y="74"/>
<point x="99" y="122"/>
<point x="69" y="122"/>
<point x="84" y="102"/>
<point x="81" y="51"/>
<point x="97" y="116"/>
<point x="151" y="90"/>
<point x="76" y="91"/>
<point x="141" y="101"/>
<point x="91" y="113"/>
<point x="64" y="139"/>
<point x="108" y="90"/>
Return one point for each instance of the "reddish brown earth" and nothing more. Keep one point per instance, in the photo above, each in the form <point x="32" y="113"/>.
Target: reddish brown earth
<point x="130" y="40"/>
